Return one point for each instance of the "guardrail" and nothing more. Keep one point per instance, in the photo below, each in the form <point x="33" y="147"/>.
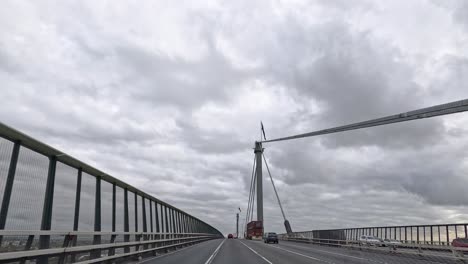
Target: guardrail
<point x="44" y="189"/>
<point x="436" y="234"/>
<point x="422" y="250"/>
<point x="144" y="244"/>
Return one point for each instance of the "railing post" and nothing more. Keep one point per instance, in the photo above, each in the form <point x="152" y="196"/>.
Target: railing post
<point x="9" y="186"/>
<point x="145" y="230"/>
<point x="438" y="231"/>
<point x="417" y="234"/>
<point x="137" y="237"/>
<point x="166" y="230"/>
<point x="76" y="215"/>
<point x="151" y="218"/>
<point x="126" y="221"/>
<point x="46" y="222"/>
<point x="447" y="234"/>
<point x="406" y="238"/>
<point x="157" y="217"/>
<point x="424" y="234"/>
<point x="136" y="212"/>
<point x="177" y="228"/>
<point x="182" y="223"/>
<point x="179" y="221"/>
<point x="114" y="202"/>
<point x="173" y="223"/>
<point x="97" y="219"/>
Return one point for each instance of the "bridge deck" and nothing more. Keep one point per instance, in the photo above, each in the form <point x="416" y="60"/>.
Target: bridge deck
<point x="234" y="251"/>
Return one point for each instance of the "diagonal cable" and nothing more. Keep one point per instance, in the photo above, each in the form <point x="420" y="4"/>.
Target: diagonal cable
<point x="274" y="187"/>
<point x="433" y="111"/>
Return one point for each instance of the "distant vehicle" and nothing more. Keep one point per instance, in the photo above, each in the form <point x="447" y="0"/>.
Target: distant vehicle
<point x="270" y="237"/>
<point x="460" y="242"/>
<point x="254" y="230"/>
<point x="371" y="241"/>
<point x="391" y="242"/>
<point x="230" y="236"/>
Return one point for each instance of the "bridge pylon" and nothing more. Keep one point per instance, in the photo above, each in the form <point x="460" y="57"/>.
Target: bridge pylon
<point x="258" y="150"/>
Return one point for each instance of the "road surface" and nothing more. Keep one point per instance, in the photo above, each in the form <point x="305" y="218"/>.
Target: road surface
<point x="239" y="251"/>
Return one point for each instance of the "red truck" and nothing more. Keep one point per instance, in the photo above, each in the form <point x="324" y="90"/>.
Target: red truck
<point x="254" y="230"/>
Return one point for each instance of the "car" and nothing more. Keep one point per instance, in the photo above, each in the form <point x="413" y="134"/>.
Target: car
<point x="371" y="241"/>
<point x="391" y="242"/>
<point x="460" y="242"/>
<point x="270" y="237"/>
<point x="230" y="236"/>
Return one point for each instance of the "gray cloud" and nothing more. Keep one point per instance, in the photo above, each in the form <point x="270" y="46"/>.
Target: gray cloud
<point x="171" y="104"/>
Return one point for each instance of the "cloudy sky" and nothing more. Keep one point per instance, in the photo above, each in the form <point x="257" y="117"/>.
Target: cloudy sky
<point x="168" y="96"/>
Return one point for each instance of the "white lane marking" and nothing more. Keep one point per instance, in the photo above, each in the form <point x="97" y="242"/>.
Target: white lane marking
<point x="302" y="255"/>
<point x="339" y="254"/>
<point x="214" y="253"/>
<point x="167" y="254"/>
<point x="256" y="253"/>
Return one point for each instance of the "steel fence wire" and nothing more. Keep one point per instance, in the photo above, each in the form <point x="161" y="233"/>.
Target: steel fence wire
<point x="53" y="203"/>
<point x="6" y="147"/>
<point x="87" y="199"/>
<point x="106" y="206"/>
<point x="27" y="197"/>
<point x="423" y="244"/>
<point x="119" y="209"/>
<point x="131" y="211"/>
<point x="63" y="208"/>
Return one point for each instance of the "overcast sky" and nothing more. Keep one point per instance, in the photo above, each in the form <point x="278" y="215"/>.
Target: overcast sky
<point x="168" y="96"/>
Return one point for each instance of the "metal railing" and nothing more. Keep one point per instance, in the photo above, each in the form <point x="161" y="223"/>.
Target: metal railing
<point x="410" y="249"/>
<point x="438" y="234"/>
<point x="67" y="251"/>
<point x="44" y="219"/>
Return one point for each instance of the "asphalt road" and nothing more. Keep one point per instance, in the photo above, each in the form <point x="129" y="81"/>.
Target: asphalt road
<point x="239" y="251"/>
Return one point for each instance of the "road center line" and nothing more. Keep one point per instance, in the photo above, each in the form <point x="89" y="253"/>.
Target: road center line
<point x="256" y="253"/>
<point x="214" y="253"/>
<point x="303" y="255"/>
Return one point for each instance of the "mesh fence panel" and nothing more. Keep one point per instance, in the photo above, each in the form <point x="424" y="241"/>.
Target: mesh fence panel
<point x="424" y="244"/>
<point x="119" y="209"/>
<point x="87" y="201"/>
<point x="28" y="192"/>
<point x="140" y="214"/>
<point x="147" y="208"/>
<point x="63" y="207"/>
<point x="131" y="211"/>
<point x="6" y="148"/>
<point x="106" y="206"/>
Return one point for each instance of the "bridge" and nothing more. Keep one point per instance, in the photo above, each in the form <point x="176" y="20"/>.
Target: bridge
<point x="103" y="219"/>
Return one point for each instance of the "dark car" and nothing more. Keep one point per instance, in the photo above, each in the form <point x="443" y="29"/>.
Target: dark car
<point x="270" y="237"/>
<point x="230" y="236"/>
<point x="460" y="242"/>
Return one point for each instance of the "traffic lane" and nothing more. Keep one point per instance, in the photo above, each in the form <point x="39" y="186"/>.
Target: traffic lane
<point x="338" y="255"/>
<point x="277" y="255"/>
<point x="236" y="251"/>
<point x="198" y="253"/>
